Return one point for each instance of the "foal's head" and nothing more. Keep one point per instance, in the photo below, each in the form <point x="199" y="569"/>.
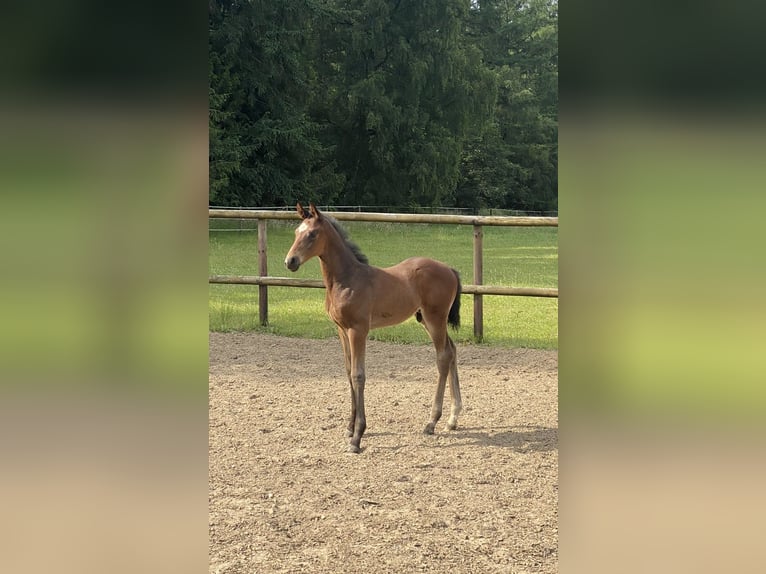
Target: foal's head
<point x="309" y="238"/>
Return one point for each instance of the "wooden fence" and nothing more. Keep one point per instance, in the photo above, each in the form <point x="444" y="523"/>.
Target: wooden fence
<point x="477" y="288"/>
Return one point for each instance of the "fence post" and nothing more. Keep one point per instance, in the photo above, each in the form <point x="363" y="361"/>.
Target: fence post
<point x="263" y="290"/>
<point x="478" y="271"/>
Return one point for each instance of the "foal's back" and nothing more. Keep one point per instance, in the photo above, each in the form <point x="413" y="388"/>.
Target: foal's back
<point x="415" y="283"/>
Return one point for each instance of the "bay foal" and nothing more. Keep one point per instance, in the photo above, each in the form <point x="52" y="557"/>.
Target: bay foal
<point x="360" y="297"/>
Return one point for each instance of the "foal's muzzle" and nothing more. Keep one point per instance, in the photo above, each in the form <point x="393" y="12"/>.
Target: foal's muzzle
<point x="292" y="263"/>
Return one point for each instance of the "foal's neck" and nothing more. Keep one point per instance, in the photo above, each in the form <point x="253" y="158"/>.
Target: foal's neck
<point x="338" y="262"/>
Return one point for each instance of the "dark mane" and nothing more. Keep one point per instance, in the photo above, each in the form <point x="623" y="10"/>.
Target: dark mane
<point x="361" y="257"/>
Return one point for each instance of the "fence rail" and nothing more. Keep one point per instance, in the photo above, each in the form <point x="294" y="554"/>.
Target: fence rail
<point x="509" y="221"/>
<point x="477" y="289"/>
<point x="317" y="284"/>
<point x="411" y="209"/>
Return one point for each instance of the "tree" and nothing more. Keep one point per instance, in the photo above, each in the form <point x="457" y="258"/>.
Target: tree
<point x="264" y="146"/>
<point x="513" y="163"/>
<point x="409" y="89"/>
<point x="384" y="102"/>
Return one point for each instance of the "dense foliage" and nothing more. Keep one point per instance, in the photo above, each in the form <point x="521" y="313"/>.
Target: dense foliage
<point x="384" y="102"/>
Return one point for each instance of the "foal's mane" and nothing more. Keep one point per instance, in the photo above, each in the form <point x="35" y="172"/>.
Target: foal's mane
<point x="361" y="257"/>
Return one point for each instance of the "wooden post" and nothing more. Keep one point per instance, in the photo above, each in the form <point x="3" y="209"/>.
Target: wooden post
<point x="263" y="290"/>
<point x="478" y="272"/>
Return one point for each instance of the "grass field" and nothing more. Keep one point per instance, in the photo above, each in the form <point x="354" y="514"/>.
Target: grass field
<point x="523" y="257"/>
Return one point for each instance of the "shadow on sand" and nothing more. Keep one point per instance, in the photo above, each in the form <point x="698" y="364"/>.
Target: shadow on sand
<point x="518" y="439"/>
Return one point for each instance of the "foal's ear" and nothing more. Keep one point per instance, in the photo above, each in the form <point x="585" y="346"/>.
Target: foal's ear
<point x="314" y="210"/>
<point x="301" y="211"/>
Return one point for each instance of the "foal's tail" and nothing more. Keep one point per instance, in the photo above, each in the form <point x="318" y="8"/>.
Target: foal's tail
<point x="454" y="313"/>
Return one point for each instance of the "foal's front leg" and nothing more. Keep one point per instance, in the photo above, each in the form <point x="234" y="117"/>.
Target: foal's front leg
<point x="347" y="359"/>
<point x="357" y="340"/>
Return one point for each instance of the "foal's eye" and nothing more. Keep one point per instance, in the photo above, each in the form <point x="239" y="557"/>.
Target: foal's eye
<point x="312" y="235"/>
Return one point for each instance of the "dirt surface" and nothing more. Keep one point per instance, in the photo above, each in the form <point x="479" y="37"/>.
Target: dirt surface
<point x="285" y="497"/>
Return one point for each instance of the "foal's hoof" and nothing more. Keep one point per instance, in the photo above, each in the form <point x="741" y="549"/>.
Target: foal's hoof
<point x="429" y="429"/>
<point x="451" y="425"/>
<point x="353" y="449"/>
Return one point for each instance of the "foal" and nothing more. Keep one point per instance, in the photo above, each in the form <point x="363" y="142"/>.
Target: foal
<point x="360" y="297"/>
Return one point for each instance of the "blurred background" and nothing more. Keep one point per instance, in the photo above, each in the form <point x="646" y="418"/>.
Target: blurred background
<point x="103" y="297"/>
<point x="661" y="313"/>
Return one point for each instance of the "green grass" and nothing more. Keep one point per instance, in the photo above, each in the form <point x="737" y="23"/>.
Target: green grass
<point x="522" y="257"/>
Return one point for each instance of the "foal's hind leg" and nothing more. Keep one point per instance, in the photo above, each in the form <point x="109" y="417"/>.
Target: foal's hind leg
<point x="457" y="402"/>
<point x="445" y="358"/>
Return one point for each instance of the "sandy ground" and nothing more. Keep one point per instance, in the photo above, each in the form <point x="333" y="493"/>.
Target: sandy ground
<point x="285" y="497"/>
